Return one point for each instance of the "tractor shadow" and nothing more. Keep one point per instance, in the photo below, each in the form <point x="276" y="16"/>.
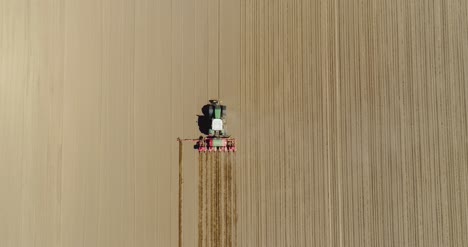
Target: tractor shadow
<point x="204" y="121"/>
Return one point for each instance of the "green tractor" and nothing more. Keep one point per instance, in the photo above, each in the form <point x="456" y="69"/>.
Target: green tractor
<point x="217" y="113"/>
<point x="217" y="139"/>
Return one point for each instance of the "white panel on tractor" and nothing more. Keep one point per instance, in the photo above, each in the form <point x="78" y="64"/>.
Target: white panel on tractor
<point x="217" y="124"/>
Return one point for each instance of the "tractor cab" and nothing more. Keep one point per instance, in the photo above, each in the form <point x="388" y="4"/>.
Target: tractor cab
<point x="217" y="113"/>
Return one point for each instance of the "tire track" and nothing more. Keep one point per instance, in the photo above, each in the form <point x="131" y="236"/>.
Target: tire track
<point x="217" y="211"/>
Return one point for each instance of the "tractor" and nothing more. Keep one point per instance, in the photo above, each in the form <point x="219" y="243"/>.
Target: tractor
<point x="217" y="139"/>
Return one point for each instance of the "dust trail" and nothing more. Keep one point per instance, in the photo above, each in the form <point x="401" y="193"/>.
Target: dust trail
<point x="222" y="200"/>
<point x="213" y="200"/>
<point x="217" y="200"/>
<point x="200" y="199"/>
<point x="180" y="193"/>
<point x="234" y="198"/>
<point x="228" y="201"/>
<point x="224" y="207"/>
<point x="207" y="201"/>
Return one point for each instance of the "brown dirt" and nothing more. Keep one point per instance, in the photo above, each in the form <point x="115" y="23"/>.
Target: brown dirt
<point x="351" y="117"/>
<point x="215" y="210"/>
